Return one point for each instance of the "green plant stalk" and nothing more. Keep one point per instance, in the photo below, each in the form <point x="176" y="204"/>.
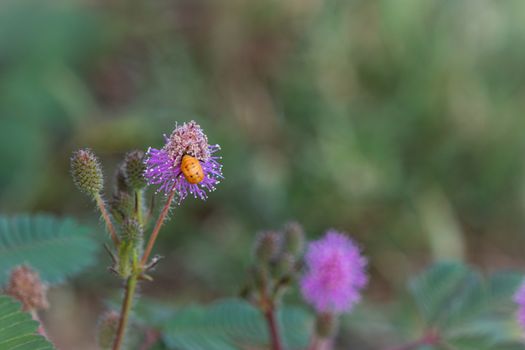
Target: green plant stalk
<point x="127" y="304"/>
<point x="131" y="285"/>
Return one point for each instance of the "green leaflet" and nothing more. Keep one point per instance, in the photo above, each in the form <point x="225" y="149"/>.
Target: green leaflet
<point x="469" y="311"/>
<point x="17" y="329"/>
<point x="56" y="248"/>
<point x="231" y="324"/>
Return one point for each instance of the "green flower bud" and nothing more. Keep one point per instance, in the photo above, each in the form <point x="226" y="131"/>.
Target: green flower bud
<point x="121" y="206"/>
<point x="134" y="169"/>
<point x="294" y="238"/>
<point x="267" y="246"/>
<point x="260" y="277"/>
<point x="106" y="329"/>
<point x="285" y="265"/>
<point x="326" y="325"/>
<point x="86" y="172"/>
<point x="132" y="232"/>
<point x="120" y="179"/>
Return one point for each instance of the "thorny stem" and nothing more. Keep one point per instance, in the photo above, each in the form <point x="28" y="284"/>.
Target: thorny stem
<point x="131" y="285"/>
<point x="105" y="215"/>
<point x="158" y="225"/>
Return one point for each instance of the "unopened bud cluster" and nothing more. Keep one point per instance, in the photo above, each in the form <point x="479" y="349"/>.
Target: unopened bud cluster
<point x="267" y="246"/>
<point x="276" y="263"/>
<point x="121" y="205"/>
<point x="125" y="204"/>
<point x="125" y="217"/>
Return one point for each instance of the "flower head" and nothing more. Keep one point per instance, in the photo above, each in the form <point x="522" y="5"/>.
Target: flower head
<point x="164" y="166"/>
<point x="519" y="298"/>
<point x="335" y="273"/>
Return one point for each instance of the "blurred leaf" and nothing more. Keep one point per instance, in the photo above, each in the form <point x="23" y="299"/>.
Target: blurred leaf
<point x="463" y="307"/>
<point x="56" y="248"/>
<point x="511" y="346"/>
<point x="433" y="289"/>
<point x="502" y="287"/>
<point x="17" y="330"/>
<point x="471" y="342"/>
<point x="230" y="324"/>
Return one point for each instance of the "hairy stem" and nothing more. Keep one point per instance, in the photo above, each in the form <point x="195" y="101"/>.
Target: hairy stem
<point x="127" y="303"/>
<point x="105" y="215"/>
<point x="158" y="225"/>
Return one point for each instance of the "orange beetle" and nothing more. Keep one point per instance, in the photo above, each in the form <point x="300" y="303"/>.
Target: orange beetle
<point x="191" y="169"/>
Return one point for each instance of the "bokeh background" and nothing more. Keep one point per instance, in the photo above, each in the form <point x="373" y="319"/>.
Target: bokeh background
<point x="401" y="122"/>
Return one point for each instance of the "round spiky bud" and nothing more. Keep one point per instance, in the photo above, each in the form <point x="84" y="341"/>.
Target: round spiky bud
<point x="267" y="246"/>
<point x="294" y="238"/>
<point x="121" y="182"/>
<point x="86" y="172"/>
<point x="106" y="329"/>
<point x="326" y="324"/>
<point x="25" y="285"/>
<point x="134" y="169"/>
<point x="285" y="264"/>
<point x="121" y="205"/>
<point x="260" y="277"/>
<point x="132" y="232"/>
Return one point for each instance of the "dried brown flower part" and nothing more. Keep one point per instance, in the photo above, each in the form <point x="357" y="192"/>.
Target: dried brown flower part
<point x="188" y="138"/>
<point x="26" y="286"/>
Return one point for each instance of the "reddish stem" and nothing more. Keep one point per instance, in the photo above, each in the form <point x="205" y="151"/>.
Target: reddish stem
<point x="127" y="303"/>
<point x="274" y="330"/>
<point x="107" y="220"/>
<point x="156" y="229"/>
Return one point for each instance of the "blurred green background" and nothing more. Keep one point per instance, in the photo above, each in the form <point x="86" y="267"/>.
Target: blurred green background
<point x="399" y="121"/>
